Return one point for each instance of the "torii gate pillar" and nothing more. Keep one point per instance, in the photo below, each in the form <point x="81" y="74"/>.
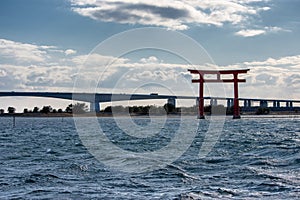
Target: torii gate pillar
<point x="218" y="79"/>
<point x="236" y="107"/>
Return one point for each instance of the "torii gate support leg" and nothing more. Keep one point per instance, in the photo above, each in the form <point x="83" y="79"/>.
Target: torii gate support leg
<point x="236" y="107"/>
<point x="201" y="100"/>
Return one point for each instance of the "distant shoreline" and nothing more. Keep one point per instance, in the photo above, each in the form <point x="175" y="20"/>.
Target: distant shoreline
<point x="101" y="114"/>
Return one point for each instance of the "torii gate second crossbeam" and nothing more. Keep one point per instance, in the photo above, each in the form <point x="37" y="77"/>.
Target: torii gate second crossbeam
<point x="202" y="80"/>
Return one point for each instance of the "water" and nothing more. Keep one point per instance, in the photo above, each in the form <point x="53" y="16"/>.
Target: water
<point x="254" y="158"/>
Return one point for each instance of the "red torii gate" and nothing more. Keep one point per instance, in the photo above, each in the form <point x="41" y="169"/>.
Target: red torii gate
<point x="202" y="80"/>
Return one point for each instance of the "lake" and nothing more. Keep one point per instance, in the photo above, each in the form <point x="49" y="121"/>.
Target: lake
<point x="57" y="158"/>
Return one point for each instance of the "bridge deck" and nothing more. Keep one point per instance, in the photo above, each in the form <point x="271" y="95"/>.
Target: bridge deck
<point x="107" y="97"/>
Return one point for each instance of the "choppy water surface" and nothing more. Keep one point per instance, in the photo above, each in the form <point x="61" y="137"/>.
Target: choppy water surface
<point x="43" y="158"/>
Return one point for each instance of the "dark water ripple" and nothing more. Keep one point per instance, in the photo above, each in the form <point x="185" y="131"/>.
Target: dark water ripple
<point x="43" y="158"/>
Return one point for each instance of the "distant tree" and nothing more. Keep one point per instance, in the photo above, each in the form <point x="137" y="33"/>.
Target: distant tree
<point x="218" y="110"/>
<point x="108" y="109"/>
<point x="79" y="108"/>
<point x="46" y="109"/>
<point x="145" y="110"/>
<point x="134" y="109"/>
<point x="262" y="111"/>
<point x="60" y="110"/>
<point x="11" y="110"/>
<point x="54" y="111"/>
<point x="1" y="111"/>
<point x="157" y="110"/>
<point x="207" y="108"/>
<point x="169" y="108"/>
<point x="25" y="110"/>
<point x="69" y="108"/>
<point x="193" y="109"/>
<point x="35" y="110"/>
<point x="229" y="110"/>
<point x="118" y="109"/>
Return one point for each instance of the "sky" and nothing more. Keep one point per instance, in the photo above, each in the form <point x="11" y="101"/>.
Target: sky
<point x="142" y="46"/>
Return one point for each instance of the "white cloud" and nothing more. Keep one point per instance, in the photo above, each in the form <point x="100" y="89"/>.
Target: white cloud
<point x="151" y="59"/>
<point x="276" y="29"/>
<point x="250" y="32"/>
<point x="22" y="52"/>
<point x="3" y="73"/>
<point x="173" y="14"/>
<point x="30" y="67"/>
<point x="271" y="78"/>
<point x="70" y="51"/>
<point x="256" y="32"/>
<point x="96" y="61"/>
<point x="17" y="77"/>
<point x="287" y="60"/>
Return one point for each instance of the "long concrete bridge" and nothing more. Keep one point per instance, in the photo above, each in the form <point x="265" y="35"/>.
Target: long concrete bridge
<point x="96" y="98"/>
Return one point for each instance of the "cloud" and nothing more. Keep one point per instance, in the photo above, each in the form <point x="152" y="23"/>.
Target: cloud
<point x="173" y="14"/>
<point x="26" y="66"/>
<point x="22" y="52"/>
<point x="97" y="60"/>
<point x="276" y="29"/>
<point x="270" y="78"/>
<point x="122" y="74"/>
<point x="3" y="73"/>
<point x="17" y="77"/>
<point x="70" y="51"/>
<point x="25" y="53"/>
<point x="256" y="32"/>
<point x="250" y="32"/>
<point x="151" y="59"/>
<point x="287" y="60"/>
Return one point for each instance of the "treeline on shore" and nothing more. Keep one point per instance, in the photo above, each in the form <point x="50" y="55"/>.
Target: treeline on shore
<point x="167" y="109"/>
<point x="71" y="108"/>
<point x="82" y="108"/>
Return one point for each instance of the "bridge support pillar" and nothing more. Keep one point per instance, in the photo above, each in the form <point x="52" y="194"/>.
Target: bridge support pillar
<point x="274" y="104"/>
<point x="213" y="102"/>
<point x="278" y="104"/>
<point x="94" y="107"/>
<point x="289" y="104"/>
<point x="245" y="104"/>
<point x="172" y="101"/>
<point x="263" y="104"/>
<point x="229" y="103"/>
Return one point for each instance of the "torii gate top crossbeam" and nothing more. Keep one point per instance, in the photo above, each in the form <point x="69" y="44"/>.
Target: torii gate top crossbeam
<point x="218" y="79"/>
<point x="202" y="72"/>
